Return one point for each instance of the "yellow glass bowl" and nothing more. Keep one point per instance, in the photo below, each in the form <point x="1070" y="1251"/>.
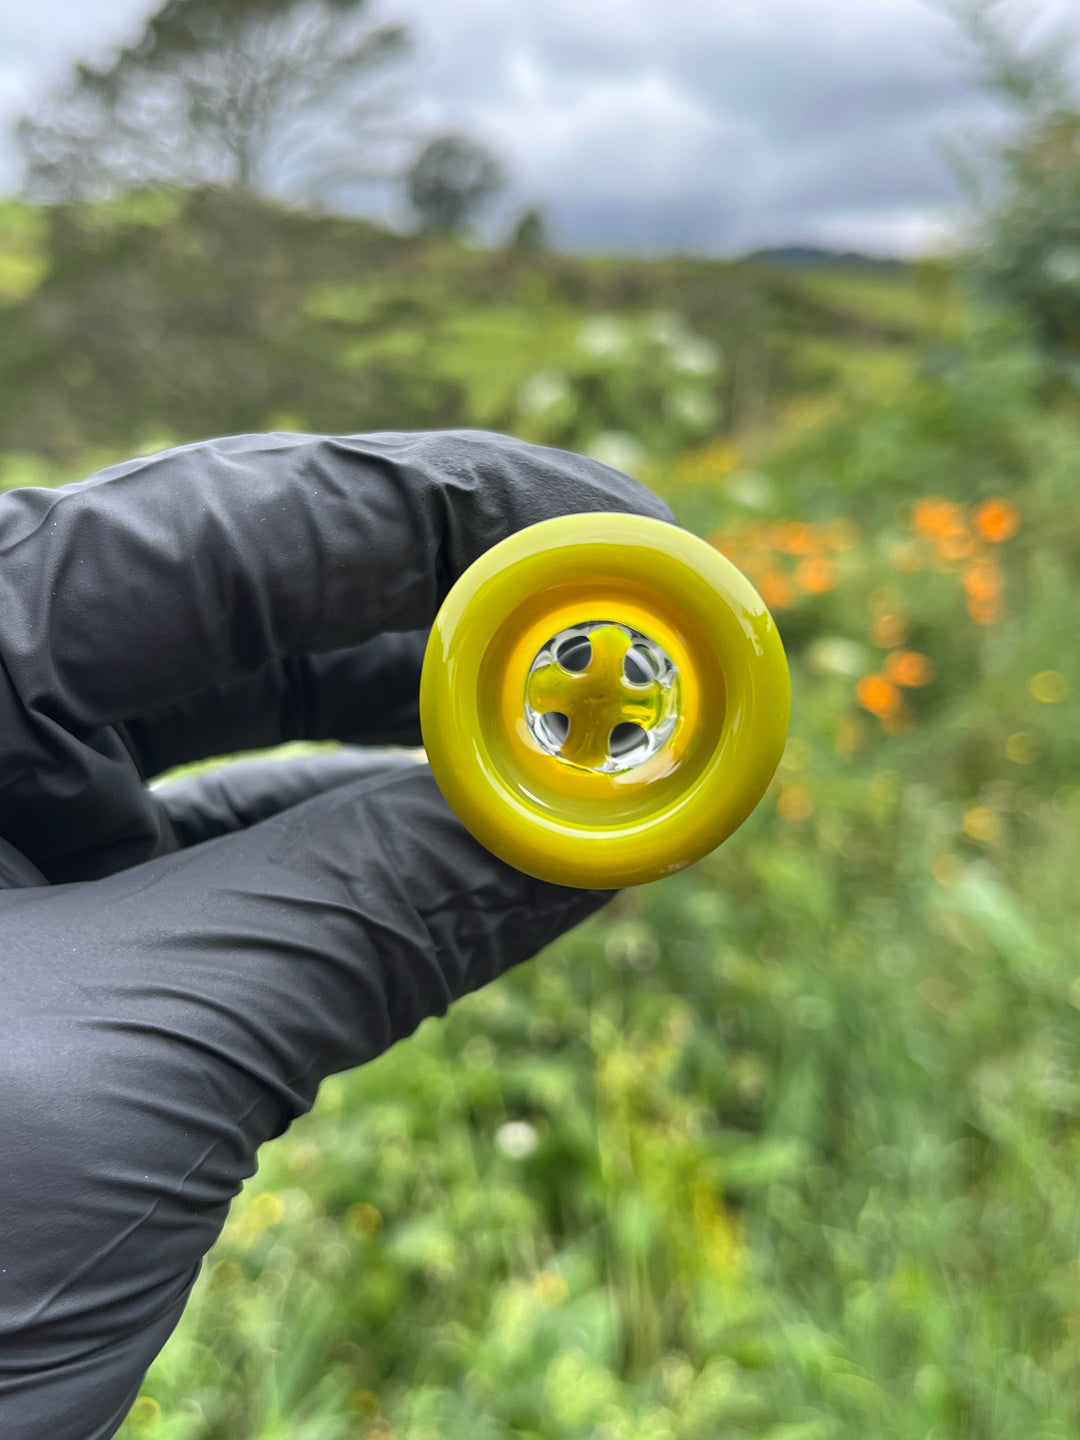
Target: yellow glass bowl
<point x="562" y="816"/>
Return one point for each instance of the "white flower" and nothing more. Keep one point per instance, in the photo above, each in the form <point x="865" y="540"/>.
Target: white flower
<point x="665" y="327"/>
<point x="543" y="391"/>
<point x="1063" y="265"/>
<point x="517" y="1139"/>
<point x="747" y="487"/>
<point x="604" y="335"/>
<point x="836" y="655"/>
<point x="693" y="407"/>
<point x="692" y="355"/>
<point x="617" y="449"/>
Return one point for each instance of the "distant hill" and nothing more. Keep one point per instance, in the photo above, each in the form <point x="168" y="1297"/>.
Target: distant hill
<point x="813" y="257"/>
<point x="202" y="312"/>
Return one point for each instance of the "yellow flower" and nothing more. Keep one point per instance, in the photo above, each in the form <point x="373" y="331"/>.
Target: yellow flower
<point x="946" y="869"/>
<point x="890" y="628"/>
<point x="795" y="803"/>
<point x="366" y="1403"/>
<point x="982" y="824"/>
<point x="551" y="1288"/>
<point x="144" y="1412"/>
<point x="1023" y="747"/>
<point x="796" y="754"/>
<point x="363" y="1220"/>
<point x="265" y="1210"/>
<point x="1049" y="687"/>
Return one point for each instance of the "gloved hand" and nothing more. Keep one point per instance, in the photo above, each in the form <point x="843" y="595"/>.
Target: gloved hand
<point x="180" y="967"/>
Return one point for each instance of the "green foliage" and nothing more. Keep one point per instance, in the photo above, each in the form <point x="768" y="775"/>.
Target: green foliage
<point x="530" y="232"/>
<point x="632" y="388"/>
<point x="22" y="261"/>
<point x="1028" y="229"/>
<point x="189" y="313"/>
<point x="1031" y="253"/>
<point x="784" y="1147"/>
<point x="186" y="315"/>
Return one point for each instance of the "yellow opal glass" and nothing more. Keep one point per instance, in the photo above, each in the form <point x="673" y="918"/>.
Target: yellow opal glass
<point x="573" y="814"/>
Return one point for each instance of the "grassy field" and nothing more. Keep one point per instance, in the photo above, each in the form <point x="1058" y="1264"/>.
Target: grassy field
<point x="784" y="1147"/>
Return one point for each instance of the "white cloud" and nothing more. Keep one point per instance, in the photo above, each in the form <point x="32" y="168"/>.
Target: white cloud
<point x="888" y="232"/>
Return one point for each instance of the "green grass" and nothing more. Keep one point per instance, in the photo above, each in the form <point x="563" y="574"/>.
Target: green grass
<point x="196" y="313"/>
<point x="806" y="1119"/>
<point x="22" y="261"/>
<point x="796" y="1133"/>
<point x="918" y="299"/>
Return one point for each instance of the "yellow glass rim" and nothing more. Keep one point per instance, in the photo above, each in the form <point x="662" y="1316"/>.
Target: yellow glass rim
<point x="577" y="827"/>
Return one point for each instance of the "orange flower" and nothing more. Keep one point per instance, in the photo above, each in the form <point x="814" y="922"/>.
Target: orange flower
<point x="985" y="611"/>
<point x="728" y="545"/>
<point x="924" y="516"/>
<point x="776" y="590"/>
<point x="816" y="576"/>
<point x="879" y="695"/>
<point x="983" y="581"/>
<point x="935" y="517"/>
<point x="996" y="520"/>
<point x="842" y="534"/>
<point x="955" y="546"/>
<point x="794" y="538"/>
<point x="750" y="562"/>
<point x="909" y="668"/>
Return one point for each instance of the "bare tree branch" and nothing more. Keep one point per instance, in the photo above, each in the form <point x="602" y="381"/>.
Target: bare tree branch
<point x="235" y="94"/>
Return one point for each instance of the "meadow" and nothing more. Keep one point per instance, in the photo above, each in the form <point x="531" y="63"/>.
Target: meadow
<point x="783" y="1147"/>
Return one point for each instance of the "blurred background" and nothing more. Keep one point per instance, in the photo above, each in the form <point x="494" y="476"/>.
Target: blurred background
<point x="786" y="1146"/>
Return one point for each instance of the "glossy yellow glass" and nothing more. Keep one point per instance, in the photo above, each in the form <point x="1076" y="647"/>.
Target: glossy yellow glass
<point x="561" y="816"/>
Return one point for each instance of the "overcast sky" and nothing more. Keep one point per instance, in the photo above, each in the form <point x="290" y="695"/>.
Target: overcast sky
<point x="652" y="125"/>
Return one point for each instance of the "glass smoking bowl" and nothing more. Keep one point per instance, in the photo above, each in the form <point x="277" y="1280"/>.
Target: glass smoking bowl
<point x="604" y="699"/>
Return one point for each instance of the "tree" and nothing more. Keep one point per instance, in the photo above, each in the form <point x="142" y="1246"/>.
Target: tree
<point x="1033" y="75"/>
<point x="529" y="235"/>
<point x="1027" y="188"/>
<point x="279" y="96"/>
<point x="167" y="315"/>
<point x="450" y="182"/>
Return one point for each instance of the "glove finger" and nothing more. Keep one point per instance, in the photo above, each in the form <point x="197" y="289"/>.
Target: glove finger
<point x="365" y="695"/>
<point x="241" y="794"/>
<point x="160" y="1024"/>
<point x="164" y="577"/>
<point x="16" y="872"/>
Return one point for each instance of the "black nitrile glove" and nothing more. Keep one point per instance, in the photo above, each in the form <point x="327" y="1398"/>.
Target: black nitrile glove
<point x="180" y="967"/>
